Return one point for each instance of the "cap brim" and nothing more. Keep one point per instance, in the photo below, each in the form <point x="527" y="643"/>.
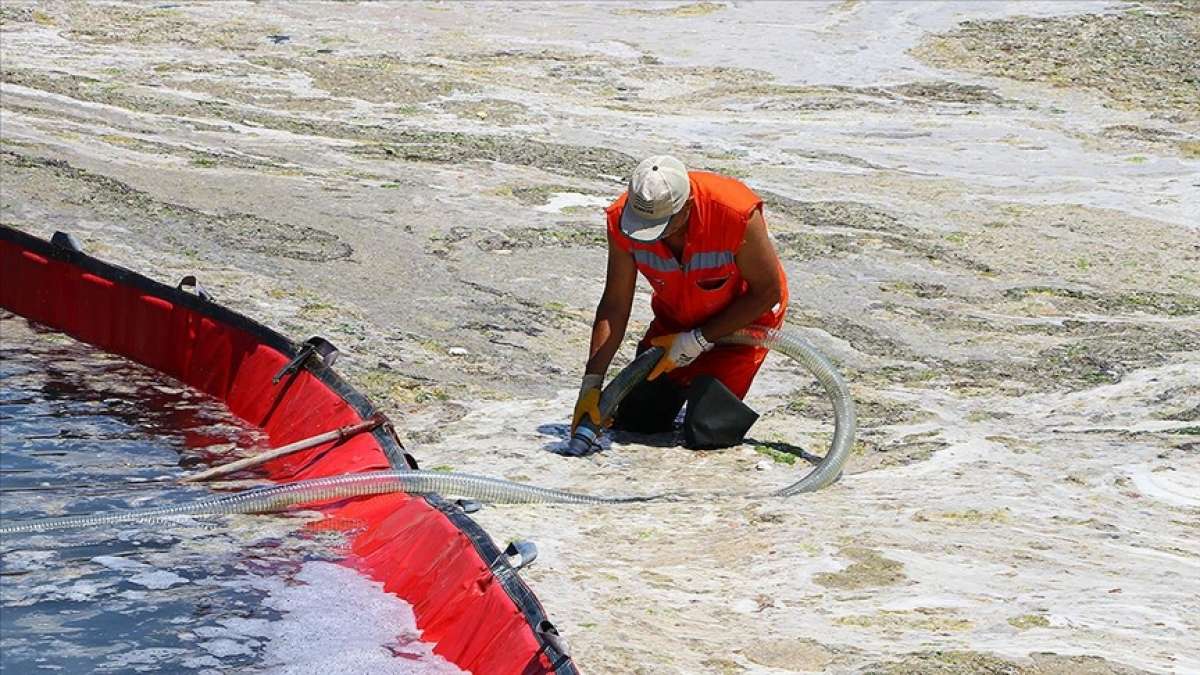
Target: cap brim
<point x="641" y="229"/>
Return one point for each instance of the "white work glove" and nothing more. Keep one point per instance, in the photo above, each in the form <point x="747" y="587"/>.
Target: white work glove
<point x="681" y="349"/>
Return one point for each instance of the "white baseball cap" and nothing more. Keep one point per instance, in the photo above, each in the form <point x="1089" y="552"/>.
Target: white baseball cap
<point x="658" y="189"/>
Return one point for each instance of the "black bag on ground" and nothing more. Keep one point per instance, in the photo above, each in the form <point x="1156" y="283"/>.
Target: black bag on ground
<point x="715" y="418"/>
<point x="651" y="408"/>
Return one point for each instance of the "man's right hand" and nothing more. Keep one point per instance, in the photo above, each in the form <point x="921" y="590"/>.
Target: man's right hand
<point x="589" y="401"/>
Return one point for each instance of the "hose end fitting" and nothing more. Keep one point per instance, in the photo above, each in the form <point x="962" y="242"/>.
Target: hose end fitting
<point x="585" y="441"/>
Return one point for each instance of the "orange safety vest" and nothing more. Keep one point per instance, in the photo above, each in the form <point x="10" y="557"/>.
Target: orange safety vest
<point x="708" y="280"/>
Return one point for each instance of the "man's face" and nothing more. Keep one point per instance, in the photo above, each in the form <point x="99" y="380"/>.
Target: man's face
<point x="678" y="221"/>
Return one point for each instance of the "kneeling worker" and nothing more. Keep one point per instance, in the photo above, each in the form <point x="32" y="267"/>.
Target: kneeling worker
<point x="701" y="242"/>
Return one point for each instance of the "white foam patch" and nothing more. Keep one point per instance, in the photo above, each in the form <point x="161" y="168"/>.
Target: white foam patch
<point x="337" y="621"/>
<point x="224" y="647"/>
<point x="1177" y="488"/>
<point x="157" y="579"/>
<point x="152" y="656"/>
<point x="566" y="200"/>
<point x="120" y="564"/>
<point x="146" y="575"/>
<point x="79" y="591"/>
<point x="27" y="561"/>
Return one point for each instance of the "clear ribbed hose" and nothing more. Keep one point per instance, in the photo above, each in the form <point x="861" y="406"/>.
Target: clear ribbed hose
<point x="797" y="349"/>
<point x="482" y="488"/>
<point x="279" y="497"/>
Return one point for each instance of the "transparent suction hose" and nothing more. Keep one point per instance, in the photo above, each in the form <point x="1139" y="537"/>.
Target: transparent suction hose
<point x="486" y="489"/>
<point x="279" y="497"/>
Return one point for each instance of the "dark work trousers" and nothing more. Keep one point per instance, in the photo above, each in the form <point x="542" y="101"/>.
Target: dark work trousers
<point x="716" y="418"/>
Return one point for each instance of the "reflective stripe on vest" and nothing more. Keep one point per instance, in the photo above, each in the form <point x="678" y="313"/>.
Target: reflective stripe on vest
<point x="654" y="262"/>
<point x="699" y="261"/>
<point x="708" y="260"/>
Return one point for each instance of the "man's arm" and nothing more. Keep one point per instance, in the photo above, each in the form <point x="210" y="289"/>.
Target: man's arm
<point x="759" y="265"/>
<point x="612" y="314"/>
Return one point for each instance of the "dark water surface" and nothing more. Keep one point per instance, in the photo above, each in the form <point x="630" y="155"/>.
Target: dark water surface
<point x="84" y="431"/>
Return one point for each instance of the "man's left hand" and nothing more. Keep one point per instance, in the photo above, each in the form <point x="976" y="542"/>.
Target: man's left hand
<point x="681" y="349"/>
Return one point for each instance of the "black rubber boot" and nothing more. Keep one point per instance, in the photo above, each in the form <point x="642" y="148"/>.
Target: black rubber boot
<point x="715" y="418"/>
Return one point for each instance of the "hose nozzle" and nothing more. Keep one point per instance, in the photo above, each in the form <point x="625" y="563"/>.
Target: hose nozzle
<point x="586" y="439"/>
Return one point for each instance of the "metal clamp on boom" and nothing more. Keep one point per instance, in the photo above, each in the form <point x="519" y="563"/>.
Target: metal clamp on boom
<point x="313" y="346"/>
<point x="190" y="280"/>
<point x="66" y="240"/>
<point x="468" y="505"/>
<point x="518" y="554"/>
<point x="551" y="638"/>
